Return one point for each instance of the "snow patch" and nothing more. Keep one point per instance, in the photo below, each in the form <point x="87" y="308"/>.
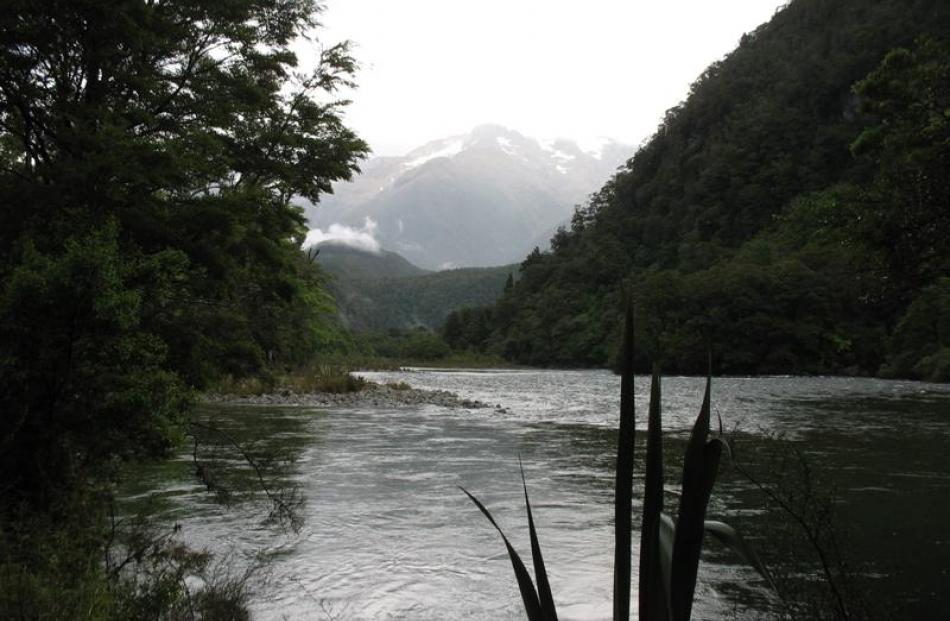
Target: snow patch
<point x="551" y="147"/>
<point x="505" y="144"/>
<point x="450" y="149"/>
<point x="595" y="146"/>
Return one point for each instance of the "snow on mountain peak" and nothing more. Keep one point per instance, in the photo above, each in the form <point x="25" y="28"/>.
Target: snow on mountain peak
<point x="441" y="148"/>
<point x="595" y="146"/>
<point x="502" y="192"/>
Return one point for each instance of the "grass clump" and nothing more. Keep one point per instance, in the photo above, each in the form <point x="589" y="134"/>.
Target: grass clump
<point x="241" y="386"/>
<point x="92" y="568"/>
<point x="328" y="378"/>
<point x="324" y="378"/>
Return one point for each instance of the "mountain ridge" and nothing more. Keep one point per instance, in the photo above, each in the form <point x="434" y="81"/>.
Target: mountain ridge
<point x="379" y="291"/>
<point x="473" y="200"/>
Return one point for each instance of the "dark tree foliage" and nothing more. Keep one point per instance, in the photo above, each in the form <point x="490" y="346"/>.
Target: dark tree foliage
<point x="406" y="302"/>
<point x="748" y="224"/>
<point x="149" y="152"/>
<point x="907" y="214"/>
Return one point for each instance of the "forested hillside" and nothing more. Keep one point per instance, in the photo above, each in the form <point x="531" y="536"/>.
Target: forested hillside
<point x="346" y="262"/>
<point x="790" y="215"/>
<point x="383" y="291"/>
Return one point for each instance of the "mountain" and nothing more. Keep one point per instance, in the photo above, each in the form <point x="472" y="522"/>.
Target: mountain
<point x="345" y="262"/>
<point x="788" y="217"/>
<point x="380" y="291"/>
<point x="476" y="199"/>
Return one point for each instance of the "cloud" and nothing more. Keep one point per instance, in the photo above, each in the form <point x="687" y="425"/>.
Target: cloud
<point x="362" y="239"/>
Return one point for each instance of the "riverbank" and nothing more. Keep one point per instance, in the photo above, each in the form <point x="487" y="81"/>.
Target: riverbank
<point x="371" y="395"/>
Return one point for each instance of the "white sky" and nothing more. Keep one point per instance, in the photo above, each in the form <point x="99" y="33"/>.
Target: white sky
<point x="548" y="68"/>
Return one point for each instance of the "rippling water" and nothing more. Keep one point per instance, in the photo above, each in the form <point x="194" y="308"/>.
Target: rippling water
<point x="388" y="534"/>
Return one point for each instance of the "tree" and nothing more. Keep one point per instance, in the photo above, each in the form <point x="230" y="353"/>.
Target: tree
<point x="149" y="155"/>
<point x="906" y="101"/>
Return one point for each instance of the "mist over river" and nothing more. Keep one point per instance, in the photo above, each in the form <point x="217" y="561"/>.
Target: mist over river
<point x="387" y="534"/>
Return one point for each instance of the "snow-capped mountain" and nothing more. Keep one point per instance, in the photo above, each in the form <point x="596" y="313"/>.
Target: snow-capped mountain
<point x="477" y="199"/>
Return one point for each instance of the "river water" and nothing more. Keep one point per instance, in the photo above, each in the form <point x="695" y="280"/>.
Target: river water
<point x="387" y="534"/>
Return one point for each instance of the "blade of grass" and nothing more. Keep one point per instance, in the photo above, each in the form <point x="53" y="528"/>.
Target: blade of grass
<point x="652" y="593"/>
<point x="667" y="535"/>
<point x="548" y="611"/>
<point x="623" y="486"/>
<point x="528" y="595"/>
<point x="699" y="474"/>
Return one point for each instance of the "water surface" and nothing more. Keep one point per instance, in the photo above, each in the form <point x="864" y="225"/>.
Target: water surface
<point x="388" y="535"/>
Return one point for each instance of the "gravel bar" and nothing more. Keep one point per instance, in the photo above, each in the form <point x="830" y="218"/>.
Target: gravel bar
<point x="373" y="395"/>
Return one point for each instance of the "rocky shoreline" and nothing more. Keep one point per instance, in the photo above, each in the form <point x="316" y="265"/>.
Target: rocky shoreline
<point x="373" y="395"/>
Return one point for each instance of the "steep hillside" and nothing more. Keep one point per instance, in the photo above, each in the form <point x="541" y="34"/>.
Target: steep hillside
<point x="781" y="216"/>
<point x="348" y="263"/>
<point x="383" y="291"/>
<point x="477" y="199"/>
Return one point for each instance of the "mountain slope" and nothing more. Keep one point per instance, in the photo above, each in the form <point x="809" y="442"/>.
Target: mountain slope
<point x="471" y="200"/>
<point x="727" y="225"/>
<point x="349" y="263"/>
<point x="383" y="291"/>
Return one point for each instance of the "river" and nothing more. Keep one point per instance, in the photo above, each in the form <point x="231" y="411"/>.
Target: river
<point x="387" y="534"/>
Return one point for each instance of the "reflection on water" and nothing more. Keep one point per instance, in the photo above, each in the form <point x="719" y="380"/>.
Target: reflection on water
<point x="388" y="534"/>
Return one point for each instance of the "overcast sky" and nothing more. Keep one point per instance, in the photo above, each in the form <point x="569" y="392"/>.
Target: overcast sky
<point x="547" y="68"/>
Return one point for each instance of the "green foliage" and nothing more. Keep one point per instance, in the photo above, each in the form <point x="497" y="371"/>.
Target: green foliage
<point x="767" y="310"/>
<point x="347" y="263"/>
<point x="417" y="345"/>
<point x="921" y="343"/>
<point x="129" y="115"/>
<point x="83" y="380"/>
<point x="55" y="570"/>
<point x="149" y="152"/>
<point x="468" y="328"/>
<point x="323" y="377"/>
<point x="907" y="103"/>
<point x="378" y="303"/>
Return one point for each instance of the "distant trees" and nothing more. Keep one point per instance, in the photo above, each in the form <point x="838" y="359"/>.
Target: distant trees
<point x="404" y="302"/>
<point x="413" y="345"/>
<point x="468" y="328"/>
